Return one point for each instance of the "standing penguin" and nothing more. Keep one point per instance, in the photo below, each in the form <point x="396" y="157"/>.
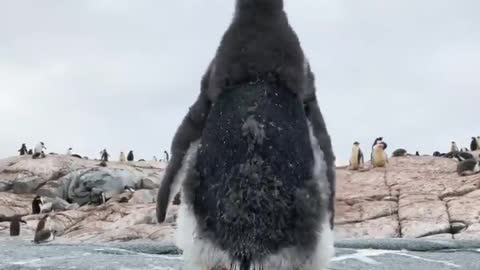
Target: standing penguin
<point x="69" y="152"/>
<point x="356" y="159"/>
<point x="454" y="147"/>
<point x="253" y="156"/>
<point x="167" y="157"/>
<point x="15" y="225"/>
<point x="104" y="155"/>
<point x="474" y="144"/>
<point x="122" y="157"/>
<point x="37" y="204"/>
<point x="130" y="156"/>
<point x="23" y="150"/>
<point x="44" y="231"/>
<point x="379" y="157"/>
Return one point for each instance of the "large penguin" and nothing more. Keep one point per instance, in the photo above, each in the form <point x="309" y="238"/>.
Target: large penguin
<point x="253" y="154"/>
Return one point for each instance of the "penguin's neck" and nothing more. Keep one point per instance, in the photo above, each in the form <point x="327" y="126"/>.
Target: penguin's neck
<point x="249" y="7"/>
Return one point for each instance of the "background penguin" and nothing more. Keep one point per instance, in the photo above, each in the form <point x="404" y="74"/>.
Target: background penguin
<point x="468" y="167"/>
<point x="399" y="153"/>
<point x="129" y="188"/>
<point x="104" y="155"/>
<point x="122" y="157"/>
<point x="50" y="204"/>
<point x="15" y="225"/>
<point x="417" y="153"/>
<point x="461" y="156"/>
<point x="155" y="158"/>
<point x="453" y="147"/>
<point x="474" y="144"/>
<point x="37" y="203"/>
<point x="38" y="150"/>
<point x="44" y="231"/>
<point x="166" y="156"/>
<point x="130" y="156"/>
<point x="30" y="152"/>
<point x="69" y="151"/>
<point x="379" y="157"/>
<point x="23" y="150"/>
<point x="356" y="159"/>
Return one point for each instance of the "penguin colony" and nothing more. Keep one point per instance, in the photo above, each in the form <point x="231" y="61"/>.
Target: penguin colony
<point x="468" y="160"/>
<point x="38" y="152"/>
<point x="253" y="156"/>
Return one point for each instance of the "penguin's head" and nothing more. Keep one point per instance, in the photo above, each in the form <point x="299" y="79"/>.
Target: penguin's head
<point x="356" y="143"/>
<point x="38" y="199"/>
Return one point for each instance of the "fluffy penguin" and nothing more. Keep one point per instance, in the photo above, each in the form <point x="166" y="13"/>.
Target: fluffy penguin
<point x="69" y="152"/>
<point x="454" y="147"/>
<point x="356" y="159"/>
<point x="474" y="144"/>
<point x="400" y="153"/>
<point x="23" y="150"/>
<point x="122" y="157"/>
<point x="37" y="204"/>
<point x="44" y="231"/>
<point x="253" y="155"/>
<point x="15" y="225"/>
<point x="468" y="167"/>
<point x="130" y="156"/>
<point x="379" y="157"/>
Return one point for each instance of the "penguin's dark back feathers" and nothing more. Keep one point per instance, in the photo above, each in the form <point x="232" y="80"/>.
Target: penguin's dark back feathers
<point x="253" y="167"/>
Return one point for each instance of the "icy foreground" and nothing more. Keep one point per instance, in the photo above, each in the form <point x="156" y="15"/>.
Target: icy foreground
<point x="361" y="255"/>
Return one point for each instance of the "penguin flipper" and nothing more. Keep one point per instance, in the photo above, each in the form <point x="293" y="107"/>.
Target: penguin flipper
<point x="314" y="116"/>
<point x="189" y="131"/>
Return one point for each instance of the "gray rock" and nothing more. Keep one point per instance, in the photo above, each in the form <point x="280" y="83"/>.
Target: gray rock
<point x="458" y="227"/>
<point x="144" y="196"/>
<point x="27" y="184"/>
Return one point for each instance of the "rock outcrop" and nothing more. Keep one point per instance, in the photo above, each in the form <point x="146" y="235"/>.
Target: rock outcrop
<point x="413" y="197"/>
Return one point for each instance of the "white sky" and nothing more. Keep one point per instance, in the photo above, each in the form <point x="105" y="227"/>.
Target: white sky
<point x="121" y="74"/>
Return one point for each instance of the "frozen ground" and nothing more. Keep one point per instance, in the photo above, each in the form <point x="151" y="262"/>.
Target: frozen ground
<point x="351" y="255"/>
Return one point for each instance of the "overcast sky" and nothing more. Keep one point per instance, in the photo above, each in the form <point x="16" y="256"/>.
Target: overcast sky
<point x="121" y="74"/>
